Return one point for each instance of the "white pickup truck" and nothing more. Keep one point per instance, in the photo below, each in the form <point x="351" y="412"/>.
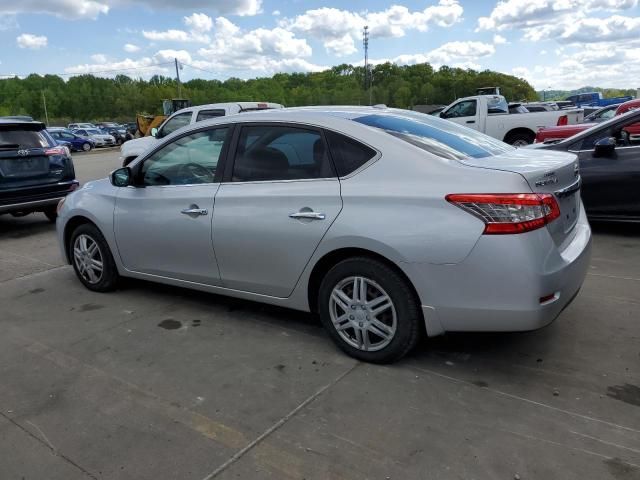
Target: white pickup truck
<point x="131" y="149"/>
<point x="490" y="114"/>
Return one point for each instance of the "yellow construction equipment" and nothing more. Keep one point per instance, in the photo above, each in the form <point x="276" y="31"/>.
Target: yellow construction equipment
<point x="146" y="123"/>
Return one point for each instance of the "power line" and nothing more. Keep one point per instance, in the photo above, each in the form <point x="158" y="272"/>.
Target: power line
<point x="198" y="68"/>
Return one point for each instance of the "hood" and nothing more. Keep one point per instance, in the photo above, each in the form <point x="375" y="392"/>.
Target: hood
<point x="137" y="146"/>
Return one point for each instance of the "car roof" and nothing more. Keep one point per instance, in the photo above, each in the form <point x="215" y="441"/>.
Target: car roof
<point x="630" y="114"/>
<point x="626" y="106"/>
<point x="31" y="125"/>
<point x="324" y="116"/>
<point x="242" y="105"/>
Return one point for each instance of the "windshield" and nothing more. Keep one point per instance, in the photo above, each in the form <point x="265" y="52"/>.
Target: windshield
<point x="443" y="138"/>
<point x="93" y="132"/>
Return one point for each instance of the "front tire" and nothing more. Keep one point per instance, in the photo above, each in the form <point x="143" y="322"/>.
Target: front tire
<point x="92" y="260"/>
<point x="520" y="139"/>
<point x="51" y="214"/>
<point x="369" y="310"/>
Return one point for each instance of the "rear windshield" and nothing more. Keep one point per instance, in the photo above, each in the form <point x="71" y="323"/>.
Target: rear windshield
<point x="22" y="139"/>
<point x="440" y="137"/>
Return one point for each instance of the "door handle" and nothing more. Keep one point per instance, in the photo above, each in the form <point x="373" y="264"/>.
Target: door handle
<point x="471" y="121"/>
<point x="194" y="211"/>
<point x="309" y="215"/>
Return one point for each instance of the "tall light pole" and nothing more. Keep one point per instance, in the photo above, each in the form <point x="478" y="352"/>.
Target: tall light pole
<point x="365" y="43"/>
<point x="44" y="101"/>
<point x="178" y="78"/>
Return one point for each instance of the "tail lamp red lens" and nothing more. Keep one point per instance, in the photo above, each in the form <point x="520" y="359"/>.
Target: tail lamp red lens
<point x="562" y="120"/>
<point x="60" y="150"/>
<point x="508" y="213"/>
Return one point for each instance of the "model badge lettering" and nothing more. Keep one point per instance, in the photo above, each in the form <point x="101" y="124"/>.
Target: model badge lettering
<point x="548" y="179"/>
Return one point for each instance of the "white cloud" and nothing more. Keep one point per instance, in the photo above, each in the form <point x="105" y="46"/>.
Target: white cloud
<point x="528" y="14"/>
<point x="340" y="29"/>
<point x="499" y="40"/>
<point x="131" y="48"/>
<point x="602" y="64"/>
<point x="259" y="49"/>
<point x="276" y="13"/>
<point x="198" y="25"/>
<point x="230" y="7"/>
<point x="199" y="22"/>
<point x="69" y="9"/>
<point x="163" y="56"/>
<point x="590" y="30"/>
<point x="92" y="9"/>
<point x="99" y="58"/>
<point x="34" y="42"/>
<point x="167" y="35"/>
<point x="459" y="52"/>
<point x="452" y="54"/>
<point x="144" y="67"/>
<point x="566" y="21"/>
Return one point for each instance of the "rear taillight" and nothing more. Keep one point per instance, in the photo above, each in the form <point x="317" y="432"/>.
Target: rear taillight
<point x="562" y="120"/>
<point x="506" y="213"/>
<point x="59" y="150"/>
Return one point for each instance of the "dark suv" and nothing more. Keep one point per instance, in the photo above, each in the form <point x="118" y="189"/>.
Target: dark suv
<point x="35" y="172"/>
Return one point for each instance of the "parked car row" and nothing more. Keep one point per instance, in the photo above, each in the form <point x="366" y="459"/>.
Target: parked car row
<point x="490" y="114"/>
<point x="557" y="133"/>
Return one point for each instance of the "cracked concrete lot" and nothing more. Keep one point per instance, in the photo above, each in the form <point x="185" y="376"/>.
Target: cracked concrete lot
<point x="155" y="382"/>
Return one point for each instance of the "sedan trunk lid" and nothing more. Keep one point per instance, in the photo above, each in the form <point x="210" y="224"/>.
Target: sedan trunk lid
<point x="545" y="171"/>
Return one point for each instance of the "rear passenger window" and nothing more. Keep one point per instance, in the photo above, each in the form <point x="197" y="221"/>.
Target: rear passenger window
<point x="280" y="153"/>
<point x="206" y="114"/>
<point x="348" y="155"/>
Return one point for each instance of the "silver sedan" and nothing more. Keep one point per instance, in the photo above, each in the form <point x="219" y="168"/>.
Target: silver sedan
<point x="388" y="224"/>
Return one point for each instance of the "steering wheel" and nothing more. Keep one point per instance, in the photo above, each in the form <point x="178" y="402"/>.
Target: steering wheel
<point x="195" y="173"/>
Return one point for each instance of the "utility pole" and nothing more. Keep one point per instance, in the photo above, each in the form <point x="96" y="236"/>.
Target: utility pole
<point x="365" y="43"/>
<point x="178" y="78"/>
<point x="44" y="102"/>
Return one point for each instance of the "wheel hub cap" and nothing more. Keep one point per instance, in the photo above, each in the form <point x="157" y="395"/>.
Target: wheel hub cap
<point x="362" y="313"/>
<point x="88" y="259"/>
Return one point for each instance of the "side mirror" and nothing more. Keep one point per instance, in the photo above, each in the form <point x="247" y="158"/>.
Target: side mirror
<point x="605" y="147"/>
<point x="121" y="177"/>
<point x="154" y="132"/>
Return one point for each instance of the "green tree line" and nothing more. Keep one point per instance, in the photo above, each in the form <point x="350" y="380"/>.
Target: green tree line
<point x="91" y="98"/>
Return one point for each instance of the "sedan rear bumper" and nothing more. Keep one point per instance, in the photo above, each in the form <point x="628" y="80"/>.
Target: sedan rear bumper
<point x="507" y="283"/>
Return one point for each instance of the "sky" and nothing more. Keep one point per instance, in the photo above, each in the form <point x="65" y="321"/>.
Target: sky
<point x="554" y="44"/>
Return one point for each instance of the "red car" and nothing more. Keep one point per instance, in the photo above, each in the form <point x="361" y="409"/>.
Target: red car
<point x="554" y="134"/>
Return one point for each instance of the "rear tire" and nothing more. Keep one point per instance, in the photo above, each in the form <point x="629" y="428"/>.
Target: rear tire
<point x="92" y="259"/>
<point x="520" y="139"/>
<point x="382" y="322"/>
<point x="86" y="147"/>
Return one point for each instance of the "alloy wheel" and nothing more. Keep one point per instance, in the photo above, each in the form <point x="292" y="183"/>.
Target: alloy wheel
<point x="363" y="314"/>
<point x="88" y="259"/>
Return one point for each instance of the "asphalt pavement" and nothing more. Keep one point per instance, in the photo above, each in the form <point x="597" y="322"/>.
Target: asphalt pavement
<point x="156" y="382"/>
